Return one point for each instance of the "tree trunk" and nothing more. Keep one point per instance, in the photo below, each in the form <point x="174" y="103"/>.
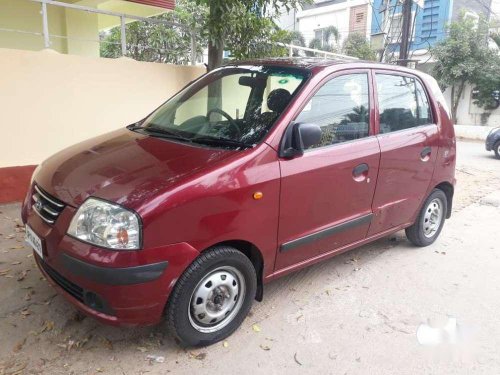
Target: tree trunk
<point x="215" y="47"/>
<point x="214" y="88"/>
<point x="455" y="100"/>
<point x="453" y="106"/>
<point x="215" y="52"/>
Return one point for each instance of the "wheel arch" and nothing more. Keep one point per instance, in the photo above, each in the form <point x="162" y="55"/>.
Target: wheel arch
<point x="253" y="253"/>
<point x="448" y="190"/>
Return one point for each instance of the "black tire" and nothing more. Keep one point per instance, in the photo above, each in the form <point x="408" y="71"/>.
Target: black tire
<point x="182" y="319"/>
<point x="417" y="232"/>
<point x="496" y="148"/>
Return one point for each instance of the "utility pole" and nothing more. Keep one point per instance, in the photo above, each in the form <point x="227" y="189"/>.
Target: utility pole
<point x="405" y="32"/>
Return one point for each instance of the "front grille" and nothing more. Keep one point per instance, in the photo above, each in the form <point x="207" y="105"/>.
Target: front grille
<point x="46" y="206"/>
<point x="71" y="288"/>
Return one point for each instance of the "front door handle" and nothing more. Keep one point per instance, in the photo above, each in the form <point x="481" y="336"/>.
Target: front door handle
<point x="425" y="153"/>
<point x="360" y="172"/>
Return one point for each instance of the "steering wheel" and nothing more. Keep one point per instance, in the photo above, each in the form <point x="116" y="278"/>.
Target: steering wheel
<point x="229" y="118"/>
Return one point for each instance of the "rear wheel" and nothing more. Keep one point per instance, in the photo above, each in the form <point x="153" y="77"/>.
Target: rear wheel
<point x="212" y="297"/>
<point x="496" y="148"/>
<point x="430" y="220"/>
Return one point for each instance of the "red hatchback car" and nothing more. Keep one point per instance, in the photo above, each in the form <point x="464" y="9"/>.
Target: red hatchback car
<point x="254" y="170"/>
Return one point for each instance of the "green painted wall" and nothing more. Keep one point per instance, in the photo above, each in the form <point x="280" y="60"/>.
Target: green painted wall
<point x="25" y="16"/>
<point x="71" y="31"/>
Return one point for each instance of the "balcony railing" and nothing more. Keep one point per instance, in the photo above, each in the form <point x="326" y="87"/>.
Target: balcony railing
<point x="123" y="19"/>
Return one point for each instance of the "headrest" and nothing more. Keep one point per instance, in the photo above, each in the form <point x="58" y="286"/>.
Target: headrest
<point x="278" y="99"/>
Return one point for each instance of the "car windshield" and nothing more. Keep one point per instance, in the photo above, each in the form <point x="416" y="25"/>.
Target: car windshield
<point x="231" y="107"/>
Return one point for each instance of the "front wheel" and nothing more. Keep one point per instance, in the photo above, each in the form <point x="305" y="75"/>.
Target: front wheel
<point x="212" y="297"/>
<point x="496" y="148"/>
<point x="430" y="220"/>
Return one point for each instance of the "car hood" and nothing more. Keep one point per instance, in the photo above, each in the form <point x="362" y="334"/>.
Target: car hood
<point x="124" y="167"/>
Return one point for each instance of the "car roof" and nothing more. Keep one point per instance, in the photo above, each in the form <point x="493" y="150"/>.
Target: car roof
<point x="317" y="63"/>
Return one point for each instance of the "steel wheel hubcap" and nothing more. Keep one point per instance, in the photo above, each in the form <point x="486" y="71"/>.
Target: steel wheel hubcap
<point x="432" y="218"/>
<point x="216" y="299"/>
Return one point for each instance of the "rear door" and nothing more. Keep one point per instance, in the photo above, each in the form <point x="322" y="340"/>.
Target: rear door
<point x="326" y="194"/>
<point x="408" y="138"/>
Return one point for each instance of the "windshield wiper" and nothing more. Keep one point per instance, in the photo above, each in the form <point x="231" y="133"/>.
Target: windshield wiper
<point x="160" y="132"/>
<point x="165" y="133"/>
<point x="220" y="141"/>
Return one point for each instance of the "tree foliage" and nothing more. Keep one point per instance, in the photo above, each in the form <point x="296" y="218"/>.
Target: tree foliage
<point x="331" y="38"/>
<point x="244" y="28"/>
<point x="328" y="42"/>
<point x="315" y="43"/>
<point x="256" y="36"/>
<point x="155" y="42"/>
<point x="464" y="57"/>
<point x="487" y="85"/>
<point x="496" y="38"/>
<point x="222" y="25"/>
<point x="358" y="46"/>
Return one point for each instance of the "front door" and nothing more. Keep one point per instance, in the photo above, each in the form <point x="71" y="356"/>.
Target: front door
<point x="409" y="139"/>
<point x="326" y="194"/>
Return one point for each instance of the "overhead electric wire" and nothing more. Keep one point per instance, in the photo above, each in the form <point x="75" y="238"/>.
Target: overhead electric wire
<point x="386" y="44"/>
<point x="488" y="7"/>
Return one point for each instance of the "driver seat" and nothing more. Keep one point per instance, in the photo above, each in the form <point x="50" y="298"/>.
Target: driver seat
<point x="277" y="101"/>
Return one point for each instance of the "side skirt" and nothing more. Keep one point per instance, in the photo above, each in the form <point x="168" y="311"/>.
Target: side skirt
<point x="325" y="233"/>
<point x="329" y="254"/>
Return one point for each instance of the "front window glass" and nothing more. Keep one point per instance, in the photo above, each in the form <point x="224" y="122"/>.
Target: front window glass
<point x="341" y="109"/>
<point x="231" y="107"/>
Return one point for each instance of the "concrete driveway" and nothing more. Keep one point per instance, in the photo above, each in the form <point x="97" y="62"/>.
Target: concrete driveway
<point x="358" y="313"/>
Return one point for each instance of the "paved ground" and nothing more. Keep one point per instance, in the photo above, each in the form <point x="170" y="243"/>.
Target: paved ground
<point x="355" y="314"/>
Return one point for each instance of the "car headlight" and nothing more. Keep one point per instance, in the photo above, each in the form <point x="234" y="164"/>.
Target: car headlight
<point x="106" y="225"/>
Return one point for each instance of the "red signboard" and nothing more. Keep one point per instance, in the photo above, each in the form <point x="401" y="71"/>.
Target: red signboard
<point x="167" y="4"/>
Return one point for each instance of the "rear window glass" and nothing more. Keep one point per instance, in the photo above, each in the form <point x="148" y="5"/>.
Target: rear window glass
<point x="403" y="103"/>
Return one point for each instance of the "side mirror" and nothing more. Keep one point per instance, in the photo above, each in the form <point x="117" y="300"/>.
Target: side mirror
<point x="299" y="137"/>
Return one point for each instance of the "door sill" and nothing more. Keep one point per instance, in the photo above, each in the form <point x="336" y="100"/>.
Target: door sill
<point x="329" y="254"/>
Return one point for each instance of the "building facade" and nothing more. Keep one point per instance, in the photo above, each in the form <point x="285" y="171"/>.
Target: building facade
<point x="429" y="22"/>
<point x="313" y="20"/>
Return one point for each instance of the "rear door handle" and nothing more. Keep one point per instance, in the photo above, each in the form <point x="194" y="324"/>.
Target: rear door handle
<point x="425" y="153"/>
<point x="360" y="170"/>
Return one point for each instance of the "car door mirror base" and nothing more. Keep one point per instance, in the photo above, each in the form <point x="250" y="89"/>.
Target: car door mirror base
<point x="298" y="137"/>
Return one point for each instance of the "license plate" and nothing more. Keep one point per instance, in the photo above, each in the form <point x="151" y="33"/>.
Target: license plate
<point x="34" y="241"/>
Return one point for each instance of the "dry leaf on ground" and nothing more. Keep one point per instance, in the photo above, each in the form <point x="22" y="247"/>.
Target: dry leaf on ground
<point x="48" y="325"/>
<point x="108" y="343"/>
<point x="199" y="356"/>
<point x="22" y="275"/>
<point x="19" y="345"/>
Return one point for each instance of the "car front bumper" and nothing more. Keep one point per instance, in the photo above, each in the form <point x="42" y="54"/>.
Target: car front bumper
<point x="126" y="288"/>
